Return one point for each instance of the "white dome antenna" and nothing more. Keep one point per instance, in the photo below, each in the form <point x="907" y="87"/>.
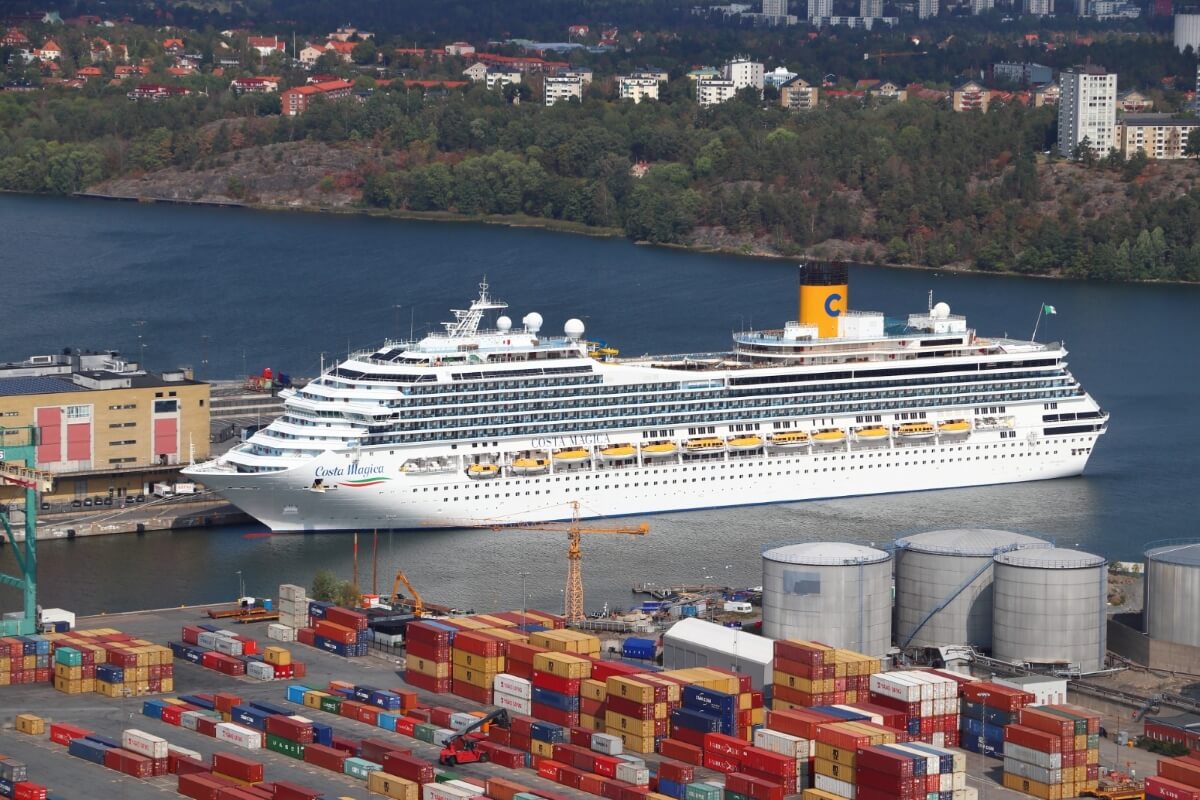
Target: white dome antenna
<point x="941" y="311"/>
<point x="532" y="322"/>
<point x="504" y="324"/>
<point x="573" y="328"/>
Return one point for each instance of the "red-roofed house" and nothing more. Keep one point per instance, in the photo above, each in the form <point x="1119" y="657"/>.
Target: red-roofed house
<point x="460" y="49"/>
<point x="179" y="72"/>
<point x="101" y="50"/>
<point x="578" y="30"/>
<point x="266" y="45"/>
<point x="261" y="85"/>
<point x="310" y="54"/>
<point x="157" y="91"/>
<point x="128" y="70"/>
<point x="296" y="101"/>
<point x="50" y="51"/>
<point x="343" y="49"/>
<point x="173" y="46"/>
<point x="434" y="84"/>
<point x="89" y="72"/>
<point x="865" y="84"/>
<point x="14" y="38"/>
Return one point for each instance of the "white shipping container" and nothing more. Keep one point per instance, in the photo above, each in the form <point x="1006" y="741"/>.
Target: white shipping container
<point x="290" y="591"/>
<point x="960" y="780"/>
<point x="260" y="670"/>
<point x="511" y="684"/>
<point x="280" y="633"/>
<point x="461" y="720"/>
<point x="183" y="751"/>
<point x="946" y="782"/>
<point x="207" y="639"/>
<point x="1031" y="756"/>
<point x="51" y="615"/>
<point x="638" y="776"/>
<point x="630" y="758"/>
<point x="442" y="735"/>
<point x="897" y="685"/>
<point x="510" y="702"/>
<point x="475" y="789"/>
<point x="782" y="743"/>
<point x="834" y="786"/>
<point x="1031" y="771"/>
<point x="607" y="744"/>
<point x="938" y="739"/>
<point x="144" y="744"/>
<point x="230" y="647"/>
<point x="238" y="735"/>
<point x="188" y="719"/>
<point x="444" y="791"/>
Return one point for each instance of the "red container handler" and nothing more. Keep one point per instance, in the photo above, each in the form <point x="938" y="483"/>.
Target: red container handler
<point x="325" y="757"/>
<point x="242" y="769"/>
<point x="408" y="767"/>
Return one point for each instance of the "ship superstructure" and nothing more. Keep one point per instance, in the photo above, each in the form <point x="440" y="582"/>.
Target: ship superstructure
<point x="510" y="425"/>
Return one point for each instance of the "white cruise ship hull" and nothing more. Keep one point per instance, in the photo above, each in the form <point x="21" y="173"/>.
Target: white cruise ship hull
<point x="286" y="501"/>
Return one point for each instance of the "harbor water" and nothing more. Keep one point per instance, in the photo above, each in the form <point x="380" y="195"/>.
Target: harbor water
<point x="232" y="291"/>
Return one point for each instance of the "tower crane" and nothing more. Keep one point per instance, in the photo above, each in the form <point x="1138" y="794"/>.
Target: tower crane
<point x="573" y="598"/>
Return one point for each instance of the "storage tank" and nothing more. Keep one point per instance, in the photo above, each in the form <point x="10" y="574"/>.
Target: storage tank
<point x="944" y="585"/>
<point x="833" y="592"/>
<point x="1173" y="592"/>
<point x="1048" y="607"/>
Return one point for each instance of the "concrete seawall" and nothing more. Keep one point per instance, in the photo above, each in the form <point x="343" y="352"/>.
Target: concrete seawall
<point x="202" y="514"/>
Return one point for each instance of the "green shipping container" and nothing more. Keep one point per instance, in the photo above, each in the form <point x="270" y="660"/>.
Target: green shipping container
<point x="360" y="768"/>
<point x="735" y="796"/>
<point x="69" y="656"/>
<point x="1080" y="722"/>
<point x="285" y="746"/>
<point x="702" y="791"/>
<point x="423" y="732"/>
<point x="444" y="775"/>
<point x="331" y="704"/>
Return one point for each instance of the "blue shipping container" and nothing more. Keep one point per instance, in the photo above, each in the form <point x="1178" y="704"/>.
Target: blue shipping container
<point x="330" y="646"/>
<point x="270" y="708"/>
<point x="672" y="788"/>
<point x="198" y="701"/>
<point x="562" y="702"/>
<point x="209" y="627"/>
<point x="323" y="734"/>
<point x="153" y="709"/>
<point x="110" y="674"/>
<point x="841" y="713"/>
<point x="296" y="692"/>
<point x="639" y="648"/>
<point x="548" y="732"/>
<point x="363" y="693"/>
<point x="701" y="699"/>
<point x="386" y="721"/>
<point x="695" y="720"/>
<point x="253" y="717"/>
<point x="316" y="608"/>
<point x="88" y="751"/>
<point x="388" y="700"/>
<point x="104" y="740"/>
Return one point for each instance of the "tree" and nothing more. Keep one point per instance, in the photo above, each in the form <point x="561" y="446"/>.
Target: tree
<point x="348" y="595"/>
<point x="325" y="585"/>
<point x="365" y="52"/>
<point x="1193" y="145"/>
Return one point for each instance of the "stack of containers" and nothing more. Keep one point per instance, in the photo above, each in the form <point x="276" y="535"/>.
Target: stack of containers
<point x="556" y="682"/>
<point x="519" y="661"/>
<point x="793" y="747"/>
<point x="836" y="745"/>
<point x="985" y="709"/>
<point x="428" y="664"/>
<point x="26" y="659"/>
<point x="513" y="693"/>
<point x="342" y="631"/>
<point x="15" y="783"/>
<point x="293" y="606"/>
<point x="929" y="702"/>
<point x="477" y="657"/>
<point x="566" y="641"/>
<point x="1177" y="779"/>
<point x="1054" y="751"/>
<point x="814" y="674"/>
<point x="888" y="772"/>
<point x="636" y="711"/>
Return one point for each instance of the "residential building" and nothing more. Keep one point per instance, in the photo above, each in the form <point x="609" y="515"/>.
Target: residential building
<point x="583" y="73"/>
<point x="970" y="96"/>
<point x="461" y="49"/>
<point x="1046" y="95"/>
<point x="1187" y="32"/>
<point x="774" y="8"/>
<point x="476" y="72"/>
<point x="578" y="30"/>
<point x="927" y="9"/>
<point x="778" y="77"/>
<point x="744" y="74"/>
<point x="857" y="23"/>
<point x="1022" y="74"/>
<point x="659" y="75"/>
<point x="88" y="73"/>
<point x="347" y="33"/>
<point x="714" y="91"/>
<point x="157" y="91"/>
<point x="704" y="74"/>
<point x="311" y="54"/>
<point x="982" y="6"/>
<point x="344" y="50"/>
<point x="888" y="91"/>
<point x="819" y="10"/>
<point x="266" y="45"/>
<point x="173" y="46"/>
<point x="15" y="38"/>
<point x="1087" y="109"/>
<point x="260" y="85"/>
<point x="1112" y="9"/>
<point x="1037" y="8"/>
<point x="501" y="78"/>
<point x="561" y="89"/>
<point x="798" y="95"/>
<point x="106" y="427"/>
<point x="870" y="8"/>
<point x="50" y="51"/>
<point x="1159" y="136"/>
<point x="637" y="89"/>
<point x="128" y="70"/>
<point x="1133" y="102"/>
<point x="296" y="101"/>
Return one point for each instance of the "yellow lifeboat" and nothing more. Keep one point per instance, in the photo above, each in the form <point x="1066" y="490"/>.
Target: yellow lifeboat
<point x="829" y="436"/>
<point x="530" y="466"/>
<point x="954" y="426"/>
<point x="483" y="471"/>
<point x="740" y="443"/>
<point x="790" y="439"/>
<point x="658" y="449"/>
<point x="618" y="452"/>
<point x="871" y="433"/>
<point x="704" y="444"/>
<point x="915" y="430"/>
<point x="572" y="455"/>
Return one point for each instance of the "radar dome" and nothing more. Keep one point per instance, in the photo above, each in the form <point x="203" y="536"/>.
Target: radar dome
<point x="503" y="324"/>
<point x="573" y="329"/>
<point x="532" y="322"/>
<point x="941" y="311"/>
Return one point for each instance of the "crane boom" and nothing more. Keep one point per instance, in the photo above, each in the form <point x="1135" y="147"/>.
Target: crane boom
<point x="418" y="605"/>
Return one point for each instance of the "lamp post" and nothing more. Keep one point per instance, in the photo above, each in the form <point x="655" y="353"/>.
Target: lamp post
<point x="524" y="575"/>
<point x="983" y="696"/>
<point x="241" y="586"/>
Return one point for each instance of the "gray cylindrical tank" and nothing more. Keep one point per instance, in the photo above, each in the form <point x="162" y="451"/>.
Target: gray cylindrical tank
<point x="951" y="569"/>
<point x="833" y="592"/>
<point x="1048" y="607"/>
<point x="1173" y="593"/>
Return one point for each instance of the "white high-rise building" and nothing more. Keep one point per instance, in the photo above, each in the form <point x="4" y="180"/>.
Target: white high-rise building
<point x="1037" y="8"/>
<point x="712" y="92"/>
<point x="1187" y="31"/>
<point x="980" y="6"/>
<point x="562" y="89"/>
<point x="744" y="73"/>
<point x="870" y="8"/>
<point x="774" y="8"/>
<point x="819" y="9"/>
<point x="927" y="9"/>
<point x="637" y="88"/>
<point x="1087" y="109"/>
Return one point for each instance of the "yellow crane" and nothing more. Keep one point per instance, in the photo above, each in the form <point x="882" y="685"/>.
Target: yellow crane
<point x="573" y="600"/>
<point x="418" y="605"/>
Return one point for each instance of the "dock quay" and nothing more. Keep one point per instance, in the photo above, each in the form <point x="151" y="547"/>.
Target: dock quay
<point x="181" y="512"/>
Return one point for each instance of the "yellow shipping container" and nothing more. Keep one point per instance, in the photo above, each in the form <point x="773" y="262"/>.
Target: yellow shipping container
<point x="588" y="722"/>
<point x="30" y="724"/>
<point x="110" y="689"/>
<point x="474" y="677"/>
<point x="564" y="665"/>
<point x="633" y="743"/>
<point x="820" y="794"/>
<point x="832" y="769"/>
<point x="808" y="685"/>
<point x="312" y="699"/>
<point x="5" y="678"/>
<point x="495" y="622"/>
<point x="758" y="716"/>
<point x="621" y="686"/>
<point x="1080" y="742"/>
<point x="174" y="701"/>
<point x="540" y="748"/>
<point x="674" y="690"/>
<point x="835" y="755"/>
<point x="657" y="796"/>
<point x="29" y="662"/>
<point x="392" y="786"/>
<point x="1051" y="791"/>
<point x="593" y="690"/>
<point x="619" y="723"/>
<point x="278" y="656"/>
<point x="745" y="701"/>
<point x="1093" y="757"/>
<point x="461" y="658"/>
<point x="166" y="684"/>
<point x="434" y="669"/>
<point x="69" y="673"/>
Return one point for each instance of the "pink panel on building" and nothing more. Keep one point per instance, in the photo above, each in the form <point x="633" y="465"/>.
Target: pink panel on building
<point x="166" y="436"/>
<point x="50" y="422"/>
<point x="79" y="441"/>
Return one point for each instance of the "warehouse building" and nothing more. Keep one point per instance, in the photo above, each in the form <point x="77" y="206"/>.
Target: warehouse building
<point x="696" y="643"/>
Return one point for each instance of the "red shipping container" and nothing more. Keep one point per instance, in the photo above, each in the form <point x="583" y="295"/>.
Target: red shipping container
<point x="629" y="708"/>
<point x="689" y="737"/>
<point x="335" y="632"/>
<point x="569" y="776"/>
<point x="439" y="653"/>
<point x="757" y="788"/>
<point x="1038" y="740"/>
<point x="765" y="761"/>
<point x="225" y="701"/>
<point x="549" y="769"/>
<point x="520" y="724"/>
<point x="686" y="773"/>
<point x="285" y="671"/>
<point x="62" y="733"/>
<point x="724" y="745"/>
<point x="306" y="636"/>
<point x="291" y="791"/>
<point x="201" y="787"/>
<point x="592" y="784"/>
<point x="720" y="763"/>
<point x="345" y="744"/>
<point x="249" y="646"/>
<point x="184" y="765"/>
<point x="235" y="766"/>
<point x="1045" y="721"/>
<point x="885" y="762"/>
<point x="798" y="723"/>
<point x="507" y="757"/>
<point x="556" y="683"/>
<point x="555" y="715"/>
<point x="795" y="651"/>
<point x="478" y="694"/>
<point x="603" y="670"/>
<point x="409" y="767"/>
<point x="172" y="715"/>
<point x="427" y="633"/>
<point x="605" y="766"/>
<point x="1186" y="772"/>
<point x="1170" y="790"/>
<point x="26" y="790"/>
<point x="480" y="643"/>
<point x="374" y="749"/>
<point x="206" y="726"/>
<point x="429" y="684"/>
<point x="612" y="790"/>
<point x="501" y="736"/>
<point x="440" y="716"/>
<point x="353" y="620"/>
<point x="501" y="789"/>
<point x="129" y="763"/>
<point x="682" y="751"/>
<point x="325" y="757"/>
<point x="788" y="782"/>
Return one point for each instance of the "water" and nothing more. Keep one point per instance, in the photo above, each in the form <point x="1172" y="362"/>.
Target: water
<point x="248" y="290"/>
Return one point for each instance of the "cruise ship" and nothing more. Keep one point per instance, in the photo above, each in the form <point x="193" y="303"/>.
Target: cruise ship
<point x="488" y="423"/>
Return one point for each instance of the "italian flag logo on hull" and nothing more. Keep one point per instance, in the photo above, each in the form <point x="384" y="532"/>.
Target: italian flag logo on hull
<point x="360" y="483"/>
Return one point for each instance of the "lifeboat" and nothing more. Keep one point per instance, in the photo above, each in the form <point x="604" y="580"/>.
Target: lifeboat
<point x="742" y="443"/>
<point x="572" y="455"/>
<point x="480" y="471"/>
<point x="954" y="426"/>
<point x="915" y="430"/>
<point x="618" y="452"/>
<point x="658" y="449"/>
<point x="871" y="433"/>
<point x="530" y="466"/>
<point x="829" y="436"/>
<point x="789" y="439"/>
<point x="704" y="444"/>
